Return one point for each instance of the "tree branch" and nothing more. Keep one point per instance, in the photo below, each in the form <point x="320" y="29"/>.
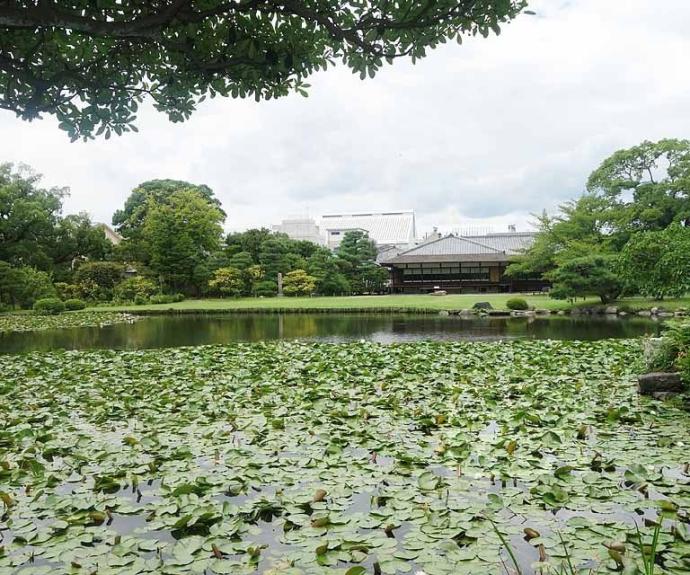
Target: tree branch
<point x="49" y="14"/>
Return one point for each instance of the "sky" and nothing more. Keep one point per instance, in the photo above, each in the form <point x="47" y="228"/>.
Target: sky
<point x="474" y="137"/>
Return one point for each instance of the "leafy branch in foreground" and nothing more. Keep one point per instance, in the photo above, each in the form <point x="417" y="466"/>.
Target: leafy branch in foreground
<point x="91" y="63"/>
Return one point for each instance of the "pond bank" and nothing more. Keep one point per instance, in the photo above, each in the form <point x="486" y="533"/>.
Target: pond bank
<point x="394" y="304"/>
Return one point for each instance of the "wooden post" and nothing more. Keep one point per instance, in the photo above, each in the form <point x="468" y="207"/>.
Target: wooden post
<point x="280" y="284"/>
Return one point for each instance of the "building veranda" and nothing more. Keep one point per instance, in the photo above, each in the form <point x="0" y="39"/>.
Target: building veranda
<point x="457" y="264"/>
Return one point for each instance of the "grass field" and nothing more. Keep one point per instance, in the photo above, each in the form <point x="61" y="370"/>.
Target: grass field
<point x="383" y="302"/>
<point x="413" y="302"/>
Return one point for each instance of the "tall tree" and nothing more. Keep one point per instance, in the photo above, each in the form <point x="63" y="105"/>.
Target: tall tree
<point x="648" y="185"/>
<point x="580" y="228"/>
<point x="249" y="241"/>
<point x="357" y="256"/>
<point x="657" y="263"/>
<point x="180" y="234"/>
<point x="130" y="219"/>
<point x="91" y="64"/>
<point x="587" y="275"/>
<point x="28" y="217"/>
<point x="77" y="238"/>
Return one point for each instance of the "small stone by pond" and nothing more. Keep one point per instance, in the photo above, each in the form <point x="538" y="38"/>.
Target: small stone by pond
<point x="660" y="384"/>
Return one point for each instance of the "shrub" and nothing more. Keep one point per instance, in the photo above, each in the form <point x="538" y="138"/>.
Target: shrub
<point x="162" y="298"/>
<point x="22" y="286"/>
<point x="227" y="281"/>
<point x="265" y="288"/>
<point x="674" y="352"/>
<point x="135" y="288"/>
<point x="67" y="291"/>
<point x="177" y="297"/>
<point x="74" y="304"/>
<point x="49" y="306"/>
<point x="103" y="274"/>
<point x="140" y="300"/>
<point x="298" y="282"/>
<point x="517" y="303"/>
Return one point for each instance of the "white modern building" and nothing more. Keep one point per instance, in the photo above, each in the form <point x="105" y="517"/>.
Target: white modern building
<point x="387" y="229"/>
<point x="300" y="229"/>
<point x="111" y="235"/>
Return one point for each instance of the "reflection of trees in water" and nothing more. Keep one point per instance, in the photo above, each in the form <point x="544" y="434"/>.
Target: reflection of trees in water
<point x="171" y="331"/>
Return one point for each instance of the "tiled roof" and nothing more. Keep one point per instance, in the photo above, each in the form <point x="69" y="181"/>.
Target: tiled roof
<point x="383" y="227"/>
<point x="490" y="247"/>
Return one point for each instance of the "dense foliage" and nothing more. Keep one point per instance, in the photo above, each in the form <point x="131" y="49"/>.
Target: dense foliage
<point x="91" y="64"/>
<point x="657" y="263"/>
<point x="21" y="286"/>
<point x="260" y="255"/>
<point x="172" y="244"/>
<point x="517" y="303"/>
<point x="635" y="215"/>
<point x="179" y="234"/>
<point x="587" y="275"/>
<point x="49" y="306"/>
<point x="33" y="231"/>
<point x="334" y="459"/>
<point x="674" y="351"/>
<point x="298" y="283"/>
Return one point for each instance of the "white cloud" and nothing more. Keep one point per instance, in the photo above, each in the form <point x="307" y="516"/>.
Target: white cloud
<point x="475" y="135"/>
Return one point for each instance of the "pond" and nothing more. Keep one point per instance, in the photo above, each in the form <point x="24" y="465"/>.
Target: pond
<point x="185" y="330"/>
<point x="291" y="458"/>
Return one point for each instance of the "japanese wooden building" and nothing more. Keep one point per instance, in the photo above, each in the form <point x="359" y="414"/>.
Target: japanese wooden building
<point x="462" y="264"/>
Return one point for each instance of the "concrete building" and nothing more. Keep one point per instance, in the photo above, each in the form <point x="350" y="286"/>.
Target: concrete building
<point x="111" y="235"/>
<point x="387" y="229"/>
<point x="462" y="264"/>
<point x="300" y="229"/>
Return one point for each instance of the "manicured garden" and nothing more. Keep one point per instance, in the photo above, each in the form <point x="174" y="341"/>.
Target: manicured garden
<point x="393" y="302"/>
<point x="446" y="458"/>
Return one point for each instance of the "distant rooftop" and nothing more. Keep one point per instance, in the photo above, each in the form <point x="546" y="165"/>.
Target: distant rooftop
<point x="385" y="228"/>
<point x="488" y="247"/>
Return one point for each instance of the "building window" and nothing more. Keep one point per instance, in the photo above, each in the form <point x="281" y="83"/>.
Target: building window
<point x="471" y="272"/>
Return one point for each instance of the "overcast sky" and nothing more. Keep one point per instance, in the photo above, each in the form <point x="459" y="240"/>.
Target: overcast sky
<point x="478" y="135"/>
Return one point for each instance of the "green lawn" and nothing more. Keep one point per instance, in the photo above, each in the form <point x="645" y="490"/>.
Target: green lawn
<point x="412" y="302"/>
<point x="391" y="302"/>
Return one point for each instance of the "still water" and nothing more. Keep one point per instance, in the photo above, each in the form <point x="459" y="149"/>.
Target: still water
<point x="172" y="331"/>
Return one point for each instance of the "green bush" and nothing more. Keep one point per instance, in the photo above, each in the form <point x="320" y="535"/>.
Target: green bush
<point x="517" y="303"/>
<point x="177" y="297"/>
<point x="674" y="351"/>
<point x="49" y="306"/>
<point x="162" y="298"/>
<point x="136" y="289"/>
<point x="22" y="286"/>
<point x="298" y="283"/>
<point x="67" y="291"/>
<point x="103" y="274"/>
<point x="141" y="300"/>
<point x="265" y="288"/>
<point x="74" y="304"/>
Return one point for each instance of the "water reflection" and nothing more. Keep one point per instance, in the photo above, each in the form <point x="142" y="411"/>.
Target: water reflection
<point x="172" y="331"/>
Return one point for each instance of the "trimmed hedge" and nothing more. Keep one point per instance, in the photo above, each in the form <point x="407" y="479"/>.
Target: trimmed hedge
<point x="517" y="303"/>
<point x="166" y="298"/>
<point x="49" y="306"/>
<point x="74" y="304"/>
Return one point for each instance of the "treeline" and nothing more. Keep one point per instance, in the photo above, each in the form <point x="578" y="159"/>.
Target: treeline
<point x="628" y="234"/>
<point x="173" y="247"/>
